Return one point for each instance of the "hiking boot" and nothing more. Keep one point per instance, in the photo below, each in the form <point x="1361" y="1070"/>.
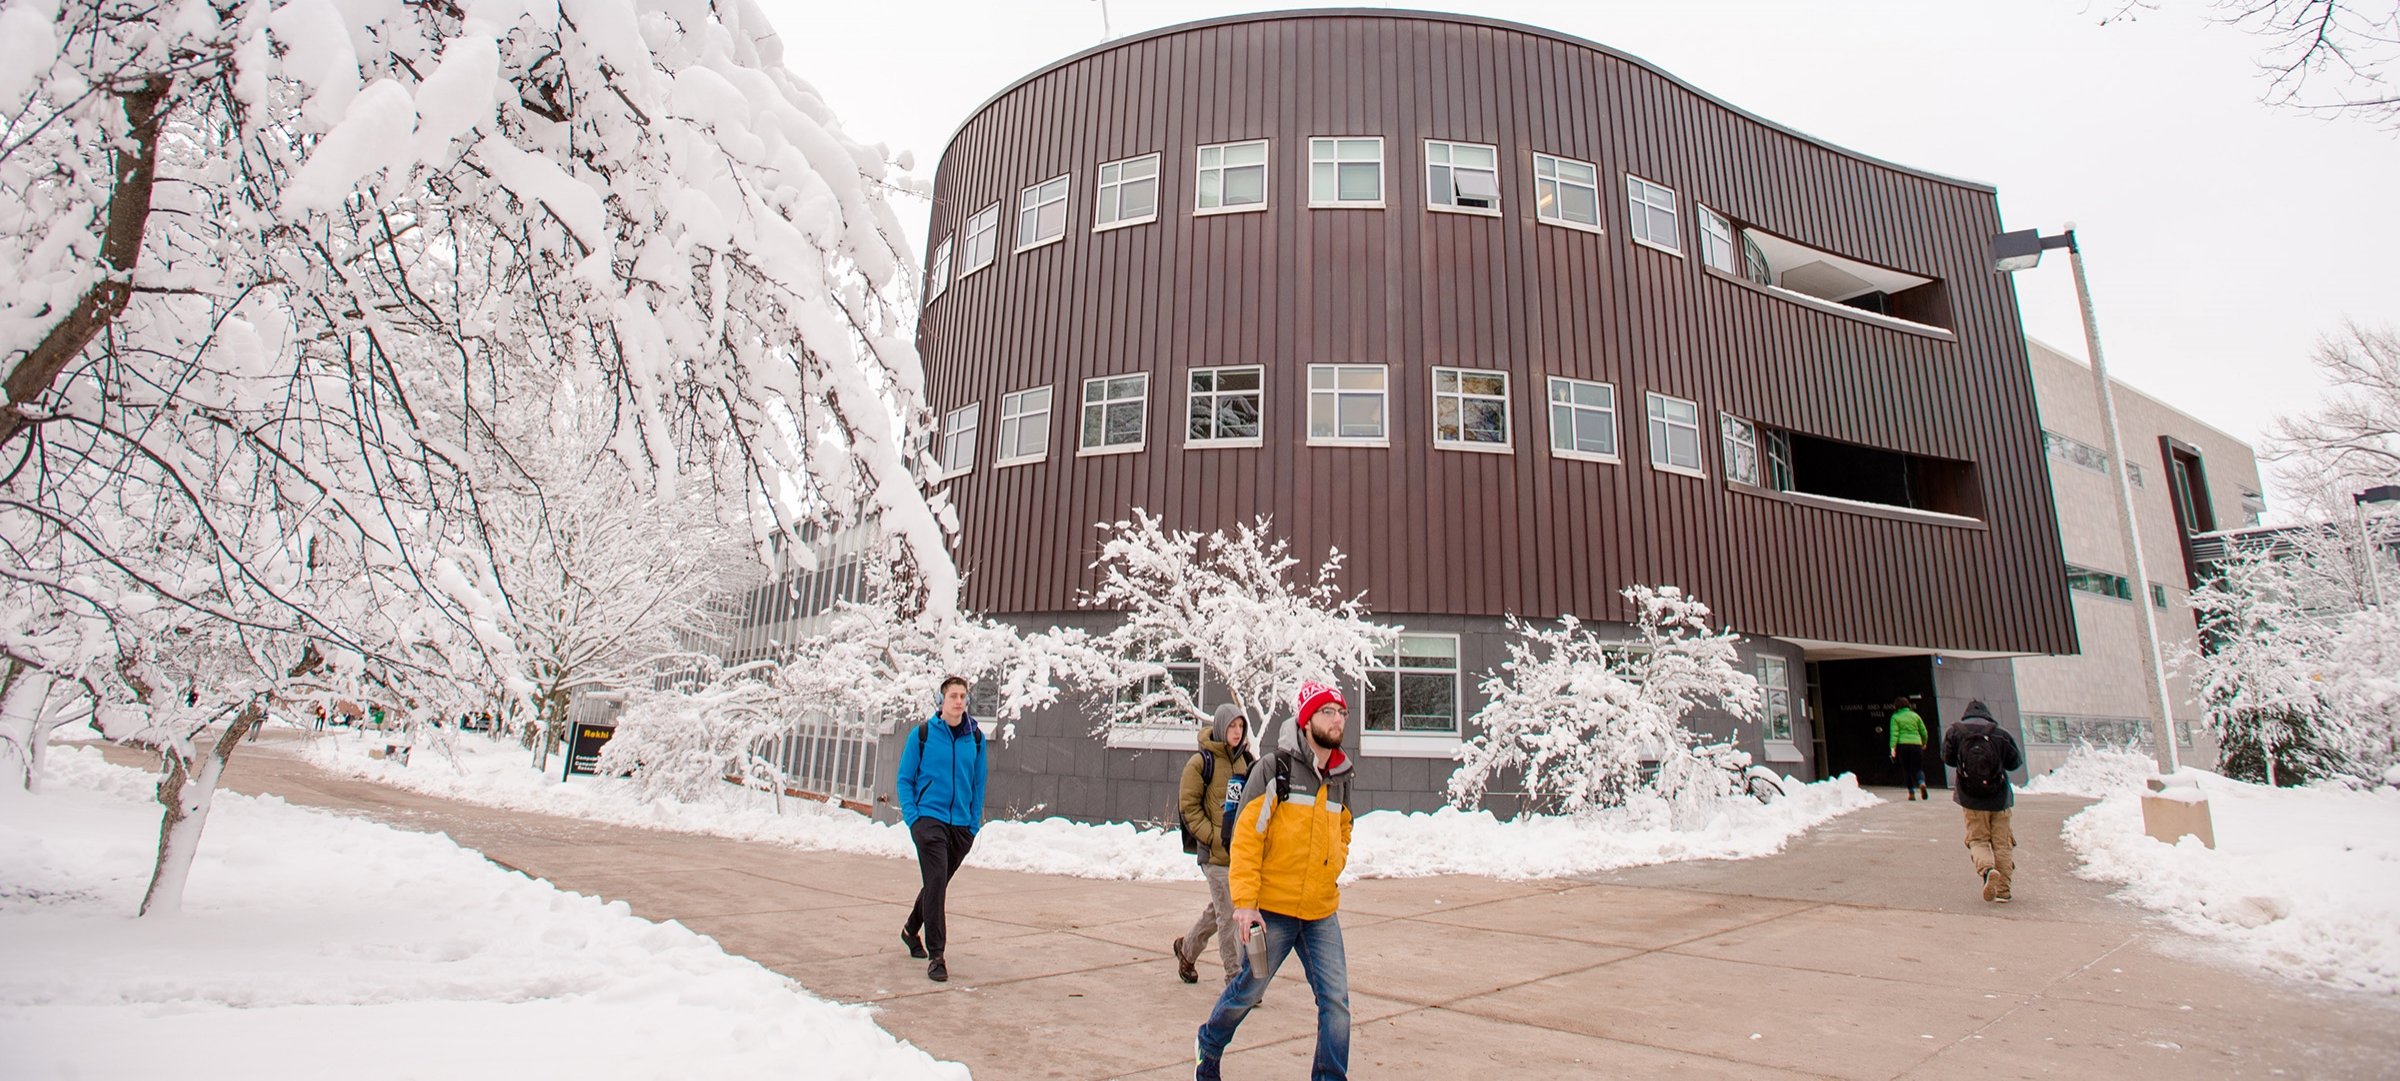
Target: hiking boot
<point x="937" y="971"/>
<point x="1185" y="969"/>
<point x="1204" y="1068"/>
<point x="1924" y="793"/>
<point x="2004" y="897"/>
<point x="1994" y="887"/>
<point x="916" y="945"/>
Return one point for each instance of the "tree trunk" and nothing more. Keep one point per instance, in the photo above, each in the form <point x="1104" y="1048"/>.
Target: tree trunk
<point x="186" y="793"/>
<point x="120" y="248"/>
<point x="21" y="728"/>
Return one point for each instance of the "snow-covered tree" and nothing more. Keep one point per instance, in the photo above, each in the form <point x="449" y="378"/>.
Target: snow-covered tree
<point x="682" y="744"/>
<point x="268" y="262"/>
<point x="1576" y="718"/>
<point x="1230" y="603"/>
<point x="2259" y="670"/>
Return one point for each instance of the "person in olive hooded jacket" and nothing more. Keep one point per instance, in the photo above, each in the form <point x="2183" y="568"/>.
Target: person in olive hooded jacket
<point x="1212" y="792"/>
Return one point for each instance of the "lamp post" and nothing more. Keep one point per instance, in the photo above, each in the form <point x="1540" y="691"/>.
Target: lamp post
<point x="2021" y="250"/>
<point x="2381" y="493"/>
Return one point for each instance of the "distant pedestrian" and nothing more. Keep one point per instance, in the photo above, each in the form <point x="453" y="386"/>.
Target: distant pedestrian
<point x="942" y="771"/>
<point x="1290" y="843"/>
<point x="1211" y="796"/>
<point x="1980" y="755"/>
<point x="1908" y="747"/>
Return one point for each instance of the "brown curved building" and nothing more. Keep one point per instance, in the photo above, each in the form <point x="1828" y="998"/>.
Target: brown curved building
<point x="1514" y="319"/>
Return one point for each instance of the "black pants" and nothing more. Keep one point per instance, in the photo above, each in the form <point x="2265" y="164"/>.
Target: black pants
<point x="1912" y="765"/>
<point x="941" y="847"/>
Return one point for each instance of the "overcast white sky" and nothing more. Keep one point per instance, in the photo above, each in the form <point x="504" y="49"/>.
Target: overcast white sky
<point x="2222" y="237"/>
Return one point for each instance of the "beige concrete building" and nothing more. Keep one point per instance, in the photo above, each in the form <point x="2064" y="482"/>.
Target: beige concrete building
<point x="2189" y="478"/>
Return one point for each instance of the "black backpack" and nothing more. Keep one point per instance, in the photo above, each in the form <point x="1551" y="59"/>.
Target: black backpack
<point x="1208" y="776"/>
<point x="1980" y="774"/>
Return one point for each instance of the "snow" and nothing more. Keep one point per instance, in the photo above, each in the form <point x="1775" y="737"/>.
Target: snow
<point x="2304" y="882"/>
<point x="308" y="939"/>
<point x="1385" y="844"/>
<point x="2096" y="772"/>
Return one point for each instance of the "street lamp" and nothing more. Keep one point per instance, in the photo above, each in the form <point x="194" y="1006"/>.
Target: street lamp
<point x="2022" y="250"/>
<point x="2381" y="493"/>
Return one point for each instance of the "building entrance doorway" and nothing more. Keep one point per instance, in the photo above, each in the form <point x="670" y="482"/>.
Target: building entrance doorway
<point x="1856" y="718"/>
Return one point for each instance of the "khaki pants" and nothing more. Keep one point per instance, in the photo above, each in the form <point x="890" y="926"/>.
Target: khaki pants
<point x="1993" y="844"/>
<point x="1216" y="919"/>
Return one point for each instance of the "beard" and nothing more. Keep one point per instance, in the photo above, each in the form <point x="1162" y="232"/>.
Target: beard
<point x="1317" y="735"/>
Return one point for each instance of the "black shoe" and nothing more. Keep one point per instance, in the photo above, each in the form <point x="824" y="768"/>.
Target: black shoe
<point x="937" y="971"/>
<point x="916" y="946"/>
<point x="1185" y="969"/>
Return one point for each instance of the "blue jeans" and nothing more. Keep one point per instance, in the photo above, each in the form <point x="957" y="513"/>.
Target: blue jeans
<point x="1319" y="943"/>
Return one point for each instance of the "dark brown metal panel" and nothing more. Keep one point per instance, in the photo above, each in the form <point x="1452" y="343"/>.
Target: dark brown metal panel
<point x="1439" y="531"/>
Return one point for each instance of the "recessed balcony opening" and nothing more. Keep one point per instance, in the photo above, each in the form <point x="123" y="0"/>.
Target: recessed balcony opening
<point x="1807" y="465"/>
<point x="1793" y="267"/>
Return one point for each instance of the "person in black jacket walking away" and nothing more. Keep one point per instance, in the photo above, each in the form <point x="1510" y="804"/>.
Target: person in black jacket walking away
<point x="1982" y="753"/>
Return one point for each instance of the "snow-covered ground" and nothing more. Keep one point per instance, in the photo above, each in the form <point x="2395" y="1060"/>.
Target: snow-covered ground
<point x="312" y="945"/>
<point x="1385" y="845"/>
<point x="2304" y="882"/>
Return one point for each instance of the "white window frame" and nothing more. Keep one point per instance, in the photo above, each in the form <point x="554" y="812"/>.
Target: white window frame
<point x="1383" y="393"/>
<point x="1112" y="192"/>
<point x="1086" y="405"/>
<point x="1654" y="403"/>
<point x="1508" y="429"/>
<point x="1396" y="739"/>
<point x="1200" y="155"/>
<point x="1382" y="175"/>
<point x="1448" y="149"/>
<point x="983" y="227"/>
<point x="1015" y="416"/>
<point x="1575" y="409"/>
<point x="1781" y="741"/>
<point x="1032" y="201"/>
<point x="958" y="440"/>
<point x="1556" y="181"/>
<point x="937" y="277"/>
<point x="1734" y="435"/>
<point x="1639" y="200"/>
<point x="1193" y="394"/>
<point x="1718" y="228"/>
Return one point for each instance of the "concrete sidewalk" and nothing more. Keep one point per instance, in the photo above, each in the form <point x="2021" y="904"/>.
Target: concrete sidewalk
<point x="1861" y="952"/>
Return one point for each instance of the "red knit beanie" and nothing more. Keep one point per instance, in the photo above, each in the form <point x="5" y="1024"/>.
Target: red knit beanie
<point x="1316" y="696"/>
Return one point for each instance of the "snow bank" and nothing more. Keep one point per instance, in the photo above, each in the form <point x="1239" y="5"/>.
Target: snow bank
<point x="1385" y="844"/>
<point x="314" y="945"/>
<point x="2096" y="772"/>
<point x="2304" y="882"/>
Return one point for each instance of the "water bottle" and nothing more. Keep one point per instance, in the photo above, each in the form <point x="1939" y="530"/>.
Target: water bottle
<point x="1257" y="948"/>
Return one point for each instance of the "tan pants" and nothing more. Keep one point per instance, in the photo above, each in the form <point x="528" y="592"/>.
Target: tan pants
<point x="1217" y="920"/>
<point x="1993" y="844"/>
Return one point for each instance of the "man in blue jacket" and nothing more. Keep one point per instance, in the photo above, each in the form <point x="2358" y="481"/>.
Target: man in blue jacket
<point x="941" y="799"/>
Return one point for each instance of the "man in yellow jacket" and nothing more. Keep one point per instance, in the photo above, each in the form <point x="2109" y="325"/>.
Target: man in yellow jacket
<point x="1290" y="843"/>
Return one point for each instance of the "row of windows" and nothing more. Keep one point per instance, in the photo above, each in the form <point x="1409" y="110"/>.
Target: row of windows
<point x="2097" y="731"/>
<point x="2067" y="448"/>
<point x="1414" y="690"/>
<point x="2103" y="583"/>
<point x="1344" y="172"/>
<point x="1350" y="405"/>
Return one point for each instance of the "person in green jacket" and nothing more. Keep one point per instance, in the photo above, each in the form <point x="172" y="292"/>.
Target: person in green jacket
<point x="1208" y="798"/>
<point x="1908" y="748"/>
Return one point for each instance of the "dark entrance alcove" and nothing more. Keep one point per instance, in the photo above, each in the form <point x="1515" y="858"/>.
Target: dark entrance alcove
<point x="1857" y="703"/>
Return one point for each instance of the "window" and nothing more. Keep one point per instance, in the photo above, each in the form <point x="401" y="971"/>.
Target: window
<point x="937" y="280"/>
<point x="1024" y="426"/>
<point x="1128" y="192"/>
<point x="1470" y="409"/>
<point x="1415" y="690"/>
<point x="958" y="439"/>
<point x="1345" y="172"/>
<point x="2070" y="449"/>
<point x="1181" y="673"/>
<point x="1112" y="413"/>
<point x="1566" y="192"/>
<point x="1233" y="176"/>
<point x="1716" y="240"/>
<point x="1462" y="176"/>
<point x="1583" y="419"/>
<point x="1741" y="449"/>
<point x="1224" y="407"/>
<point x="983" y="236"/>
<point x="2099" y="582"/>
<point x="1775" y="686"/>
<point x="1346" y="403"/>
<point x="2158" y="595"/>
<point x="1853" y="473"/>
<point x="1653" y="209"/>
<point x="1042" y="213"/>
<point x="1675" y="434"/>
<point x="1779" y="460"/>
